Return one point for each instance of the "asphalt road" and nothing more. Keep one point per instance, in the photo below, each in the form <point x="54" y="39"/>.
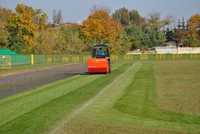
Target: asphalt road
<point x="21" y="82"/>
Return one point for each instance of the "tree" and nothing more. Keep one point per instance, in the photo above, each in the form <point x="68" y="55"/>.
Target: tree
<point x="54" y="17"/>
<point x="40" y="18"/>
<point x="3" y="37"/>
<point x="135" y="18"/>
<point x="100" y="27"/>
<point x="122" y="16"/>
<point x="57" y="17"/>
<point x="21" y="29"/>
<point x="68" y="40"/>
<point x="44" y="44"/>
<point x="194" y="29"/>
<point x="154" y="21"/>
<point x="144" y="38"/>
<point x="135" y="37"/>
<point x="154" y="29"/>
<point x="126" y="17"/>
<point x="5" y="14"/>
<point x="170" y="35"/>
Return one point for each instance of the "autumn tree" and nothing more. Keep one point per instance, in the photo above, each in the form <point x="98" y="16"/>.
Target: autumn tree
<point x="100" y="27"/>
<point x="45" y="41"/>
<point x="22" y="29"/>
<point x="5" y="15"/>
<point x="68" y="41"/>
<point x="194" y="29"/>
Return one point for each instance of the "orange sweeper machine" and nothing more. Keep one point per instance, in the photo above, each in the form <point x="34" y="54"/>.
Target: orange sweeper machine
<point x="99" y="62"/>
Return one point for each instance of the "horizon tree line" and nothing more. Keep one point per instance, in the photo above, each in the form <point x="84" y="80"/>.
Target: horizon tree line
<point x="27" y="30"/>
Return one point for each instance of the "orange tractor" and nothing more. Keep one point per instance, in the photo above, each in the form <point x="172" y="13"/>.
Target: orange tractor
<point x="100" y="60"/>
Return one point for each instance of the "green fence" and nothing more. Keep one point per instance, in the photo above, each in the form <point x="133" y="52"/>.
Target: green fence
<point x="20" y="60"/>
<point x="58" y="59"/>
<point x="16" y="60"/>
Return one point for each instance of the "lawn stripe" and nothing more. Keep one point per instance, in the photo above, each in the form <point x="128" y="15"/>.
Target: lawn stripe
<point x="144" y="109"/>
<point x="39" y="119"/>
<point x="17" y="106"/>
<point x="46" y="87"/>
<point x="104" y="97"/>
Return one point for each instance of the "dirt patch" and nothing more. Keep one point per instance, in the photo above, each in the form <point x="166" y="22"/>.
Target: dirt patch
<point x="16" y="83"/>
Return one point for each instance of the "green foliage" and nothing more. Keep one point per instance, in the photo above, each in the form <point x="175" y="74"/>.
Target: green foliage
<point x="27" y="31"/>
<point x="68" y="41"/>
<point x="45" y="41"/>
<point x="64" y="40"/>
<point x="144" y="38"/>
<point x="3" y="37"/>
<point x="156" y="23"/>
<point x="140" y="33"/>
<point x="155" y="38"/>
<point x="22" y="27"/>
<point x="170" y="35"/>
<point x="4" y="17"/>
<point x="135" y="36"/>
<point x="21" y="30"/>
<point x="122" y="15"/>
<point x="126" y="17"/>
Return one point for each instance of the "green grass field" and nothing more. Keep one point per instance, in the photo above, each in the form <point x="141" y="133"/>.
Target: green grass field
<point x="154" y="97"/>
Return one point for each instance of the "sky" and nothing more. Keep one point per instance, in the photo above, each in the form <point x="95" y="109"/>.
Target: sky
<point x="78" y="10"/>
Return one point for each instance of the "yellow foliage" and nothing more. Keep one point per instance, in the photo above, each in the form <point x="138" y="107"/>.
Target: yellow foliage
<point x="194" y="24"/>
<point x="101" y="27"/>
<point x="25" y="28"/>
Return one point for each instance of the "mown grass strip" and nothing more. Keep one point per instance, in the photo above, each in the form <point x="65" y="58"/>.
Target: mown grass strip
<point x="139" y="100"/>
<point x="104" y="99"/>
<point x="113" y="91"/>
<point x="17" y="105"/>
<point x="41" y="118"/>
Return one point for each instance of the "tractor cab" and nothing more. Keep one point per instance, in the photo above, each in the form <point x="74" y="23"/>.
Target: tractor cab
<point x="99" y="62"/>
<point x="100" y="51"/>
